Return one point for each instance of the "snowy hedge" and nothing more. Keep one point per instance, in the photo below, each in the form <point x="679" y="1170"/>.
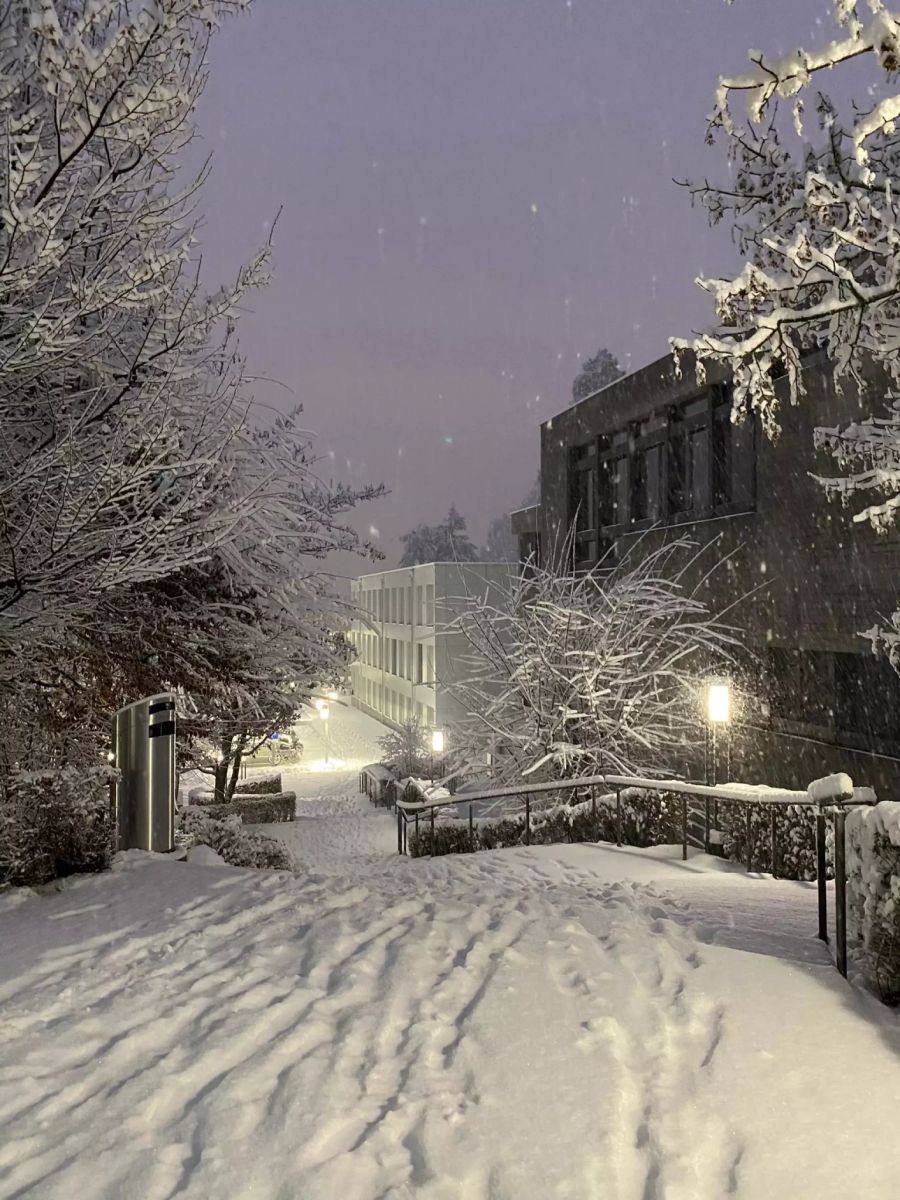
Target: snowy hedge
<point x="239" y="847"/>
<point x="795" y="839"/>
<point x="268" y="784"/>
<point x="261" y="783"/>
<point x="648" y="819"/>
<point x="254" y="808"/>
<point x="873" y="893"/>
<point x="55" y="822"/>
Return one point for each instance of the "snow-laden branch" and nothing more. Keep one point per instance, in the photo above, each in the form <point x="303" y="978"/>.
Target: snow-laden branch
<point x="820" y="231"/>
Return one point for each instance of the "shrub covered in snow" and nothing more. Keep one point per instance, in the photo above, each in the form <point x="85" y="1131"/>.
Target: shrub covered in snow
<point x="255" y="810"/>
<point x="584" y="673"/>
<point x="406" y="748"/>
<point x="795" y="839"/>
<point x="647" y="819"/>
<point x="873" y="893"/>
<point x="261" y="783"/>
<point x="55" y="822"/>
<point x="238" y="846"/>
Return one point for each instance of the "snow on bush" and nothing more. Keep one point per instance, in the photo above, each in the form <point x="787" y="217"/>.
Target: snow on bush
<point x="55" y="822"/>
<point x="202" y="856"/>
<point x="873" y="893"/>
<point x="795" y="838"/>
<point x="238" y="846"/>
<point x="255" y="810"/>
<point x="647" y="819"/>
<point x="586" y="673"/>
<point x="406" y="748"/>
<point x="261" y="783"/>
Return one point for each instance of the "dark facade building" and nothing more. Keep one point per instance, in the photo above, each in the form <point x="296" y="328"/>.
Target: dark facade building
<point x="654" y="456"/>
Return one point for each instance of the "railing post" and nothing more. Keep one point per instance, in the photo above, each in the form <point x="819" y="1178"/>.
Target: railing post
<point x="706" y="825"/>
<point x="618" y="816"/>
<point x="432" y="834"/>
<point x="399" y="831"/>
<point x="840" y="890"/>
<point x="594" y="806"/>
<point x="821" y="882"/>
<point x="527" y="819"/>
<point x="773" y="831"/>
<point x="684" y="842"/>
<point x="471" y="828"/>
<point x="749" y="834"/>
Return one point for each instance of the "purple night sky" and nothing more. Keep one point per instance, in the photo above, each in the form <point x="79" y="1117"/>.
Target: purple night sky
<point x="476" y="195"/>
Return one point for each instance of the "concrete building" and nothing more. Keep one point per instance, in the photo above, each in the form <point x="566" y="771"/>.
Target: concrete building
<point x="653" y="456"/>
<point x="408" y="657"/>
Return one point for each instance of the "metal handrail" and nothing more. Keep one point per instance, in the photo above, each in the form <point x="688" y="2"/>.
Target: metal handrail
<point x="749" y="796"/>
<point x="743" y="795"/>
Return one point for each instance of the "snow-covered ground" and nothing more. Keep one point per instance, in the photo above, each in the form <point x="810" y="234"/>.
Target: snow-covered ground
<point x="558" y="1022"/>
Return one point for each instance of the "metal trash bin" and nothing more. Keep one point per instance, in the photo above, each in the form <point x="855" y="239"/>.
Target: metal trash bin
<point x="144" y="748"/>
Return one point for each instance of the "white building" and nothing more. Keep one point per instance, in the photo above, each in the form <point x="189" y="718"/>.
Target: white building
<point x="407" y="657"/>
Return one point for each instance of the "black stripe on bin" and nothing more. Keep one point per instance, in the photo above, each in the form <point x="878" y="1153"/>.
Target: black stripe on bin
<point x="161" y="730"/>
<point x="162" y="706"/>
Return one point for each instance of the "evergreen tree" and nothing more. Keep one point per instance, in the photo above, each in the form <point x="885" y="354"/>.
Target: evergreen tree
<point x="596" y="373"/>
<point x="446" y="542"/>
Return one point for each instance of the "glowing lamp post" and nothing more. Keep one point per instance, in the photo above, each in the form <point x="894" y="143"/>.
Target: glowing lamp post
<point x="437" y="748"/>
<point x="718" y="703"/>
<point x="717" y="706"/>
<point x="718" y="713"/>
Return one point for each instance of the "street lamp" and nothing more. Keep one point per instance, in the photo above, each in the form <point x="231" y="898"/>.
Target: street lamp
<point x="718" y="701"/>
<point x="323" y="714"/>
<point x="718" y="712"/>
<point x="437" y="747"/>
<point x="717" y="704"/>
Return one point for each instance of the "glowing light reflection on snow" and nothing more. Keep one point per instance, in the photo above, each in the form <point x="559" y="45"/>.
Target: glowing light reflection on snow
<point x="320" y="764"/>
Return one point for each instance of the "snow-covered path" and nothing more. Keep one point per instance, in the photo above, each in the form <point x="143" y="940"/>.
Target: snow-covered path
<point x="556" y="1022"/>
<point x="334" y="822"/>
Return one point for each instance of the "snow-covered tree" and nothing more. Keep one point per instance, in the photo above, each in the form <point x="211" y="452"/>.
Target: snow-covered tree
<point x="446" y="542"/>
<point x="587" y="673"/>
<point x="819" y="224"/>
<point x="245" y="642"/>
<point x="406" y="748"/>
<point x="120" y="387"/>
<point x="819" y="229"/>
<point x="151" y="536"/>
<point x="596" y="372"/>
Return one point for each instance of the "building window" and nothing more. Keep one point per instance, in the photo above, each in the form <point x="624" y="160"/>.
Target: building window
<point x="530" y="549"/>
<point x="867" y="701"/>
<point x="583" y="500"/>
<point x="801" y="686"/>
<point x="648" y="449"/>
<point x="687" y="462"/>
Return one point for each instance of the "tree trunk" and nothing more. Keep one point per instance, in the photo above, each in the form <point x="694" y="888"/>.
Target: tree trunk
<point x="239" y="748"/>
<point x="221" y="783"/>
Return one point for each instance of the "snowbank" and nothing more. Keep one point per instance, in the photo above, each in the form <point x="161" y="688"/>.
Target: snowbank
<point x="873" y="892"/>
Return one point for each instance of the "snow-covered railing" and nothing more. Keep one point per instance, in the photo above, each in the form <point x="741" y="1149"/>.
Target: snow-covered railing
<point x="830" y="795"/>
